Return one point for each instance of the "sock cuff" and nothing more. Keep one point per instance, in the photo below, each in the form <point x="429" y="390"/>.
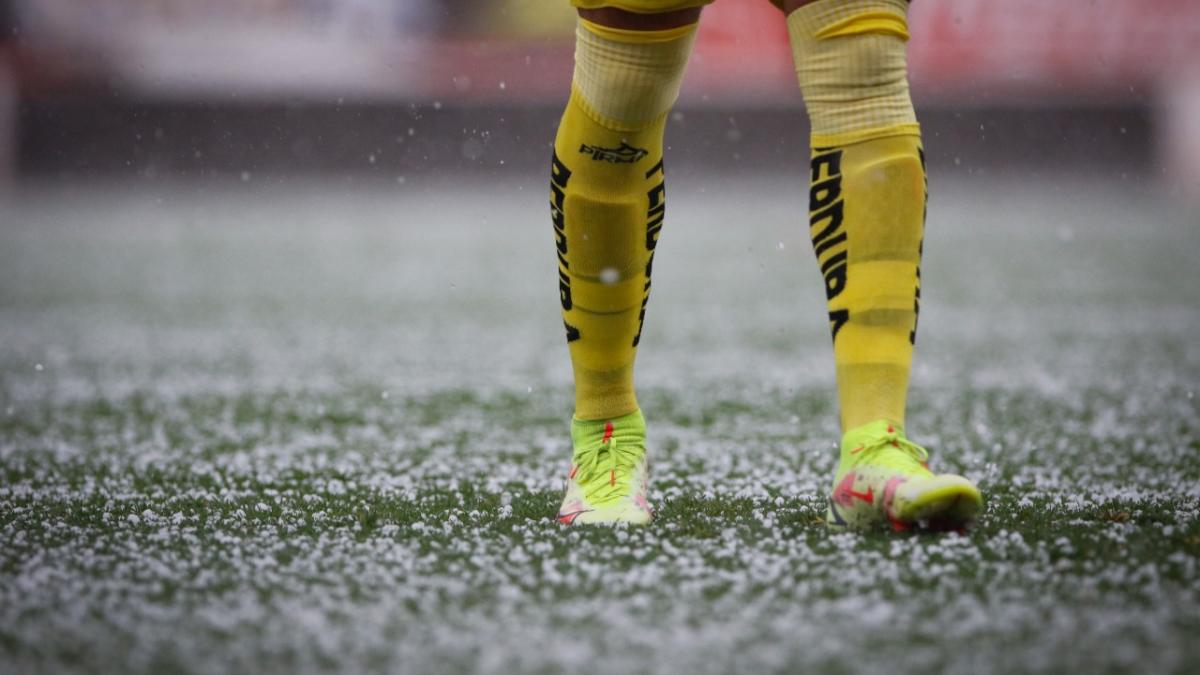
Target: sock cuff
<point x="841" y="140"/>
<point x="839" y="18"/>
<point x="638" y="36"/>
<point x="852" y="69"/>
<point x="628" y="80"/>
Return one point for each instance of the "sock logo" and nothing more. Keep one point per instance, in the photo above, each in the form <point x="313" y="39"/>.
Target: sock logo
<point x="560" y="175"/>
<point x="655" y="212"/>
<point x="626" y="154"/>
<point x="826" y="212"/>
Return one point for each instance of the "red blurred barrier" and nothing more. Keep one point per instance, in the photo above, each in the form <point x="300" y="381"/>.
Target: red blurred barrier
<point x="974" y="50"/>
<point x="962" y="51"/>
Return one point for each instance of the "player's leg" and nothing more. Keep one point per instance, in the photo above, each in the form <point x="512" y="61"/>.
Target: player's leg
<point x="607" y="203"/>
<point x="867" y="212"/>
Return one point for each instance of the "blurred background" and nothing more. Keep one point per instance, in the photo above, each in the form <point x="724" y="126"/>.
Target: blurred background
<point x="257" y="251"/>
<point x="401" y="89"/>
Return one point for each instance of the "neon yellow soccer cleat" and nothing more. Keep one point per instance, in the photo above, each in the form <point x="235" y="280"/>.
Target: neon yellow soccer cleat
<point x="883" y="478"/>
<point x="607" y="482"/>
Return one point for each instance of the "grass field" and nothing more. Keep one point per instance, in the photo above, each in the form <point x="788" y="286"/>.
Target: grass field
<point x="293" y="428"/>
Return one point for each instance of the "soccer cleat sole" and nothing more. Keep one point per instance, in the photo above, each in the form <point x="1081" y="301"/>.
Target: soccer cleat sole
<point x="610" y="516"/>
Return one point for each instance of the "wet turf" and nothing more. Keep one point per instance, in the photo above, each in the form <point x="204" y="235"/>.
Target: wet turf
<point x="304" y="429"/>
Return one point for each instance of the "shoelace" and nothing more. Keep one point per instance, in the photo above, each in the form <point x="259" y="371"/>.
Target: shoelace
<point x="906" y="452"/>
<point x="604" y="471"/>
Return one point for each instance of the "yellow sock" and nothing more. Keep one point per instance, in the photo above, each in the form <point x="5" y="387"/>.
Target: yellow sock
<point x="607" y="199"/>
<point x="867" y="195"/>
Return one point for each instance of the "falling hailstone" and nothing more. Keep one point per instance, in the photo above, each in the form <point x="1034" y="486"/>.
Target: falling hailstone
<point x="609" y="276"/>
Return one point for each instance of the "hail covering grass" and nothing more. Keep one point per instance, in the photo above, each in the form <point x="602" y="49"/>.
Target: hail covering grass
<point x="314" y="427"/>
